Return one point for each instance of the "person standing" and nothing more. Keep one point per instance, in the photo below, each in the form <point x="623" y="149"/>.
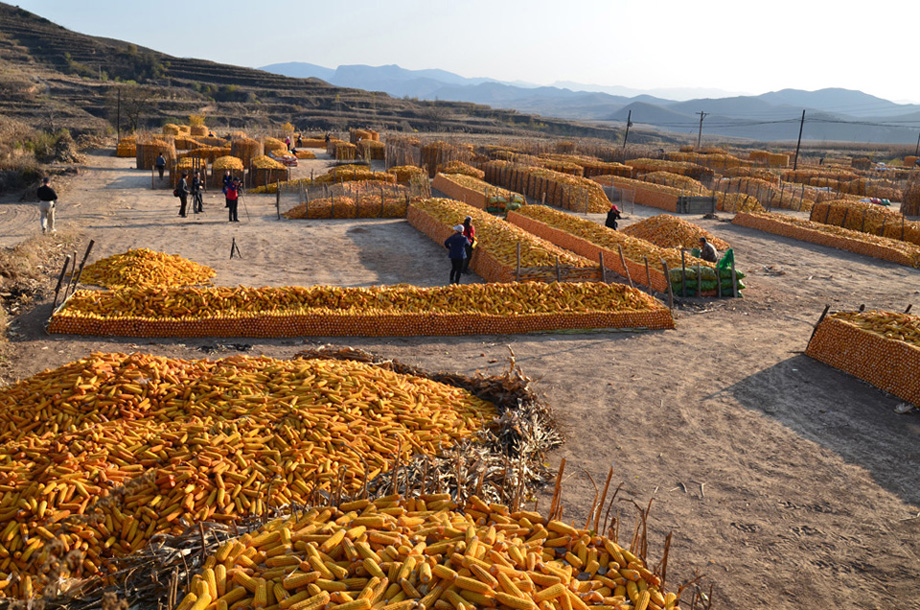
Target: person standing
<point x="233" y="199"/>
<point x="469" y="232"/>
<point x="47" y="199"/>
<point x="160" y="164"/>
<point x="456" y="246"/>
<point x="228" y="180"/>
<point x="197" y="197"/>
<point x="183" y="194"/>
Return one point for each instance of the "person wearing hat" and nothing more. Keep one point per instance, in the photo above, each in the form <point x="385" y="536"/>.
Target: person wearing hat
<point x="456" y="246"/>
<point x="469" y="231"/>
<point x="613" y="215"/>
<point x="708" y="251"/>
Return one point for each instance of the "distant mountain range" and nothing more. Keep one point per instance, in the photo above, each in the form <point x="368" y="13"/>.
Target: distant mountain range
<point x="830" y="114"/>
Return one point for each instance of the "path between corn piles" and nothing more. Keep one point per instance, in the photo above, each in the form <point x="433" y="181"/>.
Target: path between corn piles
<point x="787" y="483"/>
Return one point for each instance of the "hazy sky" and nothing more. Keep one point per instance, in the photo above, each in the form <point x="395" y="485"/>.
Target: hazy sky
<point x="736" y="46"/>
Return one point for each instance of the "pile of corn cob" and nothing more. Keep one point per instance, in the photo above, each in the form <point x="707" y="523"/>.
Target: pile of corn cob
<point x="668" y="231"/>
<point x="142" y="267"/>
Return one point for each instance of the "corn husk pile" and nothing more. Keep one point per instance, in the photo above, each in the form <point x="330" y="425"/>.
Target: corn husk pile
<point x="145" y="268"/>
<point x="668" y="231"/>
<point x="459" y="167"/>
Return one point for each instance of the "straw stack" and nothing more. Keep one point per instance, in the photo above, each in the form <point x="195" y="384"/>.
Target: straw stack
<point x="246" y="149"/>
<point x="148" y="149"/>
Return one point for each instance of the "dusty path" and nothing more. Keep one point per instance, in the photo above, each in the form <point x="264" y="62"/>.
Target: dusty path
<point x="787" y="483"/>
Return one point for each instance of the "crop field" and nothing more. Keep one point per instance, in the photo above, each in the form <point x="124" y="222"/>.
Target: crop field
<point x="250" y="410"/>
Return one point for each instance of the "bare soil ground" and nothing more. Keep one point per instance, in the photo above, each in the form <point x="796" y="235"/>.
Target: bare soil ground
<point x="786" y="483"/>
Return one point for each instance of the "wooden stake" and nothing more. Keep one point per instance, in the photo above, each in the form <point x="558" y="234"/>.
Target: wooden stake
<point x="600" y="256"/>
<point x="699" y="281"/>
<point x="817" y="324"/>
<point x="734" y="280"/>
<point x="625" y="268"/>
<point x="648" y="276"/>
<point x="683" y="270"/>
<point x="76" y="278"/>
<point x="667" y="279"/>
<point x="57" y="289"/>
<point x="558" y="271"/>
<point x="73" y="271"/>
<point x="517" y="269"/>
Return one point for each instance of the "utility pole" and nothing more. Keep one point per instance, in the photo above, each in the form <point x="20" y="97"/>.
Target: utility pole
<point x="629" y="123"/>
<point x="699" y="137"/>
<point x="917" y="152"/>
<point x="795" y="164"/>
<point x="118" y="113"/>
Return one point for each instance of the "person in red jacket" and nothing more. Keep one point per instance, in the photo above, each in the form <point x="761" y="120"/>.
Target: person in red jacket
<point x="233" y="199"/>
<point x="469" y="231"/>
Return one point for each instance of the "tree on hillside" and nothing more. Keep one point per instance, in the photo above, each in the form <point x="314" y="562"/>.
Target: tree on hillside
<point x="127" y="103"/>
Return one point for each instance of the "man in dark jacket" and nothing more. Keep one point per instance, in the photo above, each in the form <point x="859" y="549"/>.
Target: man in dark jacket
<point x="613" y="215"/>
<point x="47" y="199"/>
<point x="456" y="245"/>
<point x="160" y="164"/>
<point x="708" y="252"/>
<point x="183" y="194"/>
<point x="197" y="197"/>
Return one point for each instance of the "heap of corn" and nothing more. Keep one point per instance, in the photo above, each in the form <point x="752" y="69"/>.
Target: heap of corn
<point x="879" y="347"/>
<point x="221" y="166"/>
<point x="713" y="161"/>
<point x="358" y="135"/>
<point x="476" y="192"/>
<point x="143" y="268"/>
<point x="127" y="147"/>
<point x="435" y="154"/>
<point x="497" y="242"/>
<point x="364" y="203"/>
<point x="665" y="197"/>
<point x="668" y="231"/>
<point x="186" y="142"/>
<point x="104" y="453"/>
<point x="592" y="166"/>
<point x="208" y="153"/>
<point x="589" y="239"/>
<point x="459" y="167"/>
<point x="246" y="149"/>
<point x="683" y="168"/>
<point x="406" y="174"/>
<point x="266" y="170"/>
<point x="270" y="144"/>
<point x="893" y="250"/>
<point x="302" y="153"/>
<point x="561" y="190"/>
<point x="371" y="149"/>
<point x="773" y="195"/>
<point x="376" y="311"/>
<point x="171" y="129"/>
<point x="425" y="553"/>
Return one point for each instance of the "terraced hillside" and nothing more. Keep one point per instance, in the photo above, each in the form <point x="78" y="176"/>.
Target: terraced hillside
<point x="52" y="77"/>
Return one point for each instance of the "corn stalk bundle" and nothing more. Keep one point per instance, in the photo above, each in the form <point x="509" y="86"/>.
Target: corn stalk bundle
<point x="372" y="149"/>
<point x="892" y="250"/>
<point x="867" y="218"/>
<point x="246" y="149"/>
<point x="345" y="151"/>
<point x="879" y="347"/>
<point x="459" y="167"/>
<point x="493" y="308"/>
<point x="269" y="144"/>
<point x="142" y="267"/>
<point x="558" y="189"/>
<point x="139" y="445"/>
<point x="171" y="129"/>
<point x="496" y="256"/>
<point x="149" y="147"/>
<point x="668" y="231"/>
<point x="684" y="168"/>
<point x="477" y="193"/>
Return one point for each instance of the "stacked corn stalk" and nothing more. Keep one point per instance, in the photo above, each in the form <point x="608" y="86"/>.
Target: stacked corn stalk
<point x="459" y="167"/>
<point x="668" y="231"/>
<point x="713" y="161"/>
<point x="910" y="202"/>
<point x="435" y="154"/>
<point x="498" y="242"/>
<point x="892" y="250"/>
<point x="140" y="444"/>
<point x="149" y="147"/>
<point x="879" y="347"/>
<point x="562" y="190"/>
<point x="141" y="268"/>
<point x="221" y="166"/>
<point x="371" y="149"/>
<point x="377" y="311"/>
<point x="344" y="151"/>
<point x="592" y="166"/>
<point x="407" y="173"/>
<point x="127" y="147"/>
<point x="641" y="261"/>
<point x="265" y="170"/>
<point x="246" y="149"/>
<point x="684" y="168"/>
<point x="208" y="153"/>
<point x="867" y="218"/>
<point x="426" y="553"/>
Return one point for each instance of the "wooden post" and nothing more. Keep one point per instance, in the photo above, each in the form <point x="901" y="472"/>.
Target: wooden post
<point x="817" y="324"/>
<point x="600" y="256"/>
<point x="60" y="281"/>
<point x="543" y="200"/>
<point x="625" y="268"/>
<point x="517" y="269"/>
<point x="908" y="308"/>
<point x="734" y="280"/>
<point x="73" y="271"/>
<point x="667" y="276"/>
<point x="76" y="278"/>
<point x="826" y="216"/>
<point x="648" y="276"/>
<point x="558" y="272"/>
<point x="862" y="227"/>
<point x="846" y="212"/>
<point x="683" y="272"/>
<point x="278" y="199"/>
<point x="699" y="281"/>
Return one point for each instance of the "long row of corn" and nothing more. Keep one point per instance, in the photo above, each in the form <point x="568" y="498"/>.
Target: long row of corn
<point x="500" y="247"/>
<point x="425" y="553"/>
<point x="879" y="347"/>
<point x="375" y="311"/>
<point x="665" y="196"/>
<point x="558" y="189"/>
<point x="475" y="192"/>
<point x="340" y="174"/>
<point x="142" y="267"/>
<point x="683" y="168"/>
<point x="102" y="454"/>
<point x="867" y="218"/>
<point x="390" y="205"/>
<point x="892" y="250"/>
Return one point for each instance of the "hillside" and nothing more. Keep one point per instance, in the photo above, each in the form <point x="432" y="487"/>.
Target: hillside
<point x="51" y="77"/>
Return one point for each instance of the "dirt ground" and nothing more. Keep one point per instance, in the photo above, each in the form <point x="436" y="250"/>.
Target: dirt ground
<point x="786" y="483"/>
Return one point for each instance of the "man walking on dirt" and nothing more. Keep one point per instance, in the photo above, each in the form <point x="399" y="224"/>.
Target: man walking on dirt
<point x="160" y="164"/>
<point x="46" y="201"/>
